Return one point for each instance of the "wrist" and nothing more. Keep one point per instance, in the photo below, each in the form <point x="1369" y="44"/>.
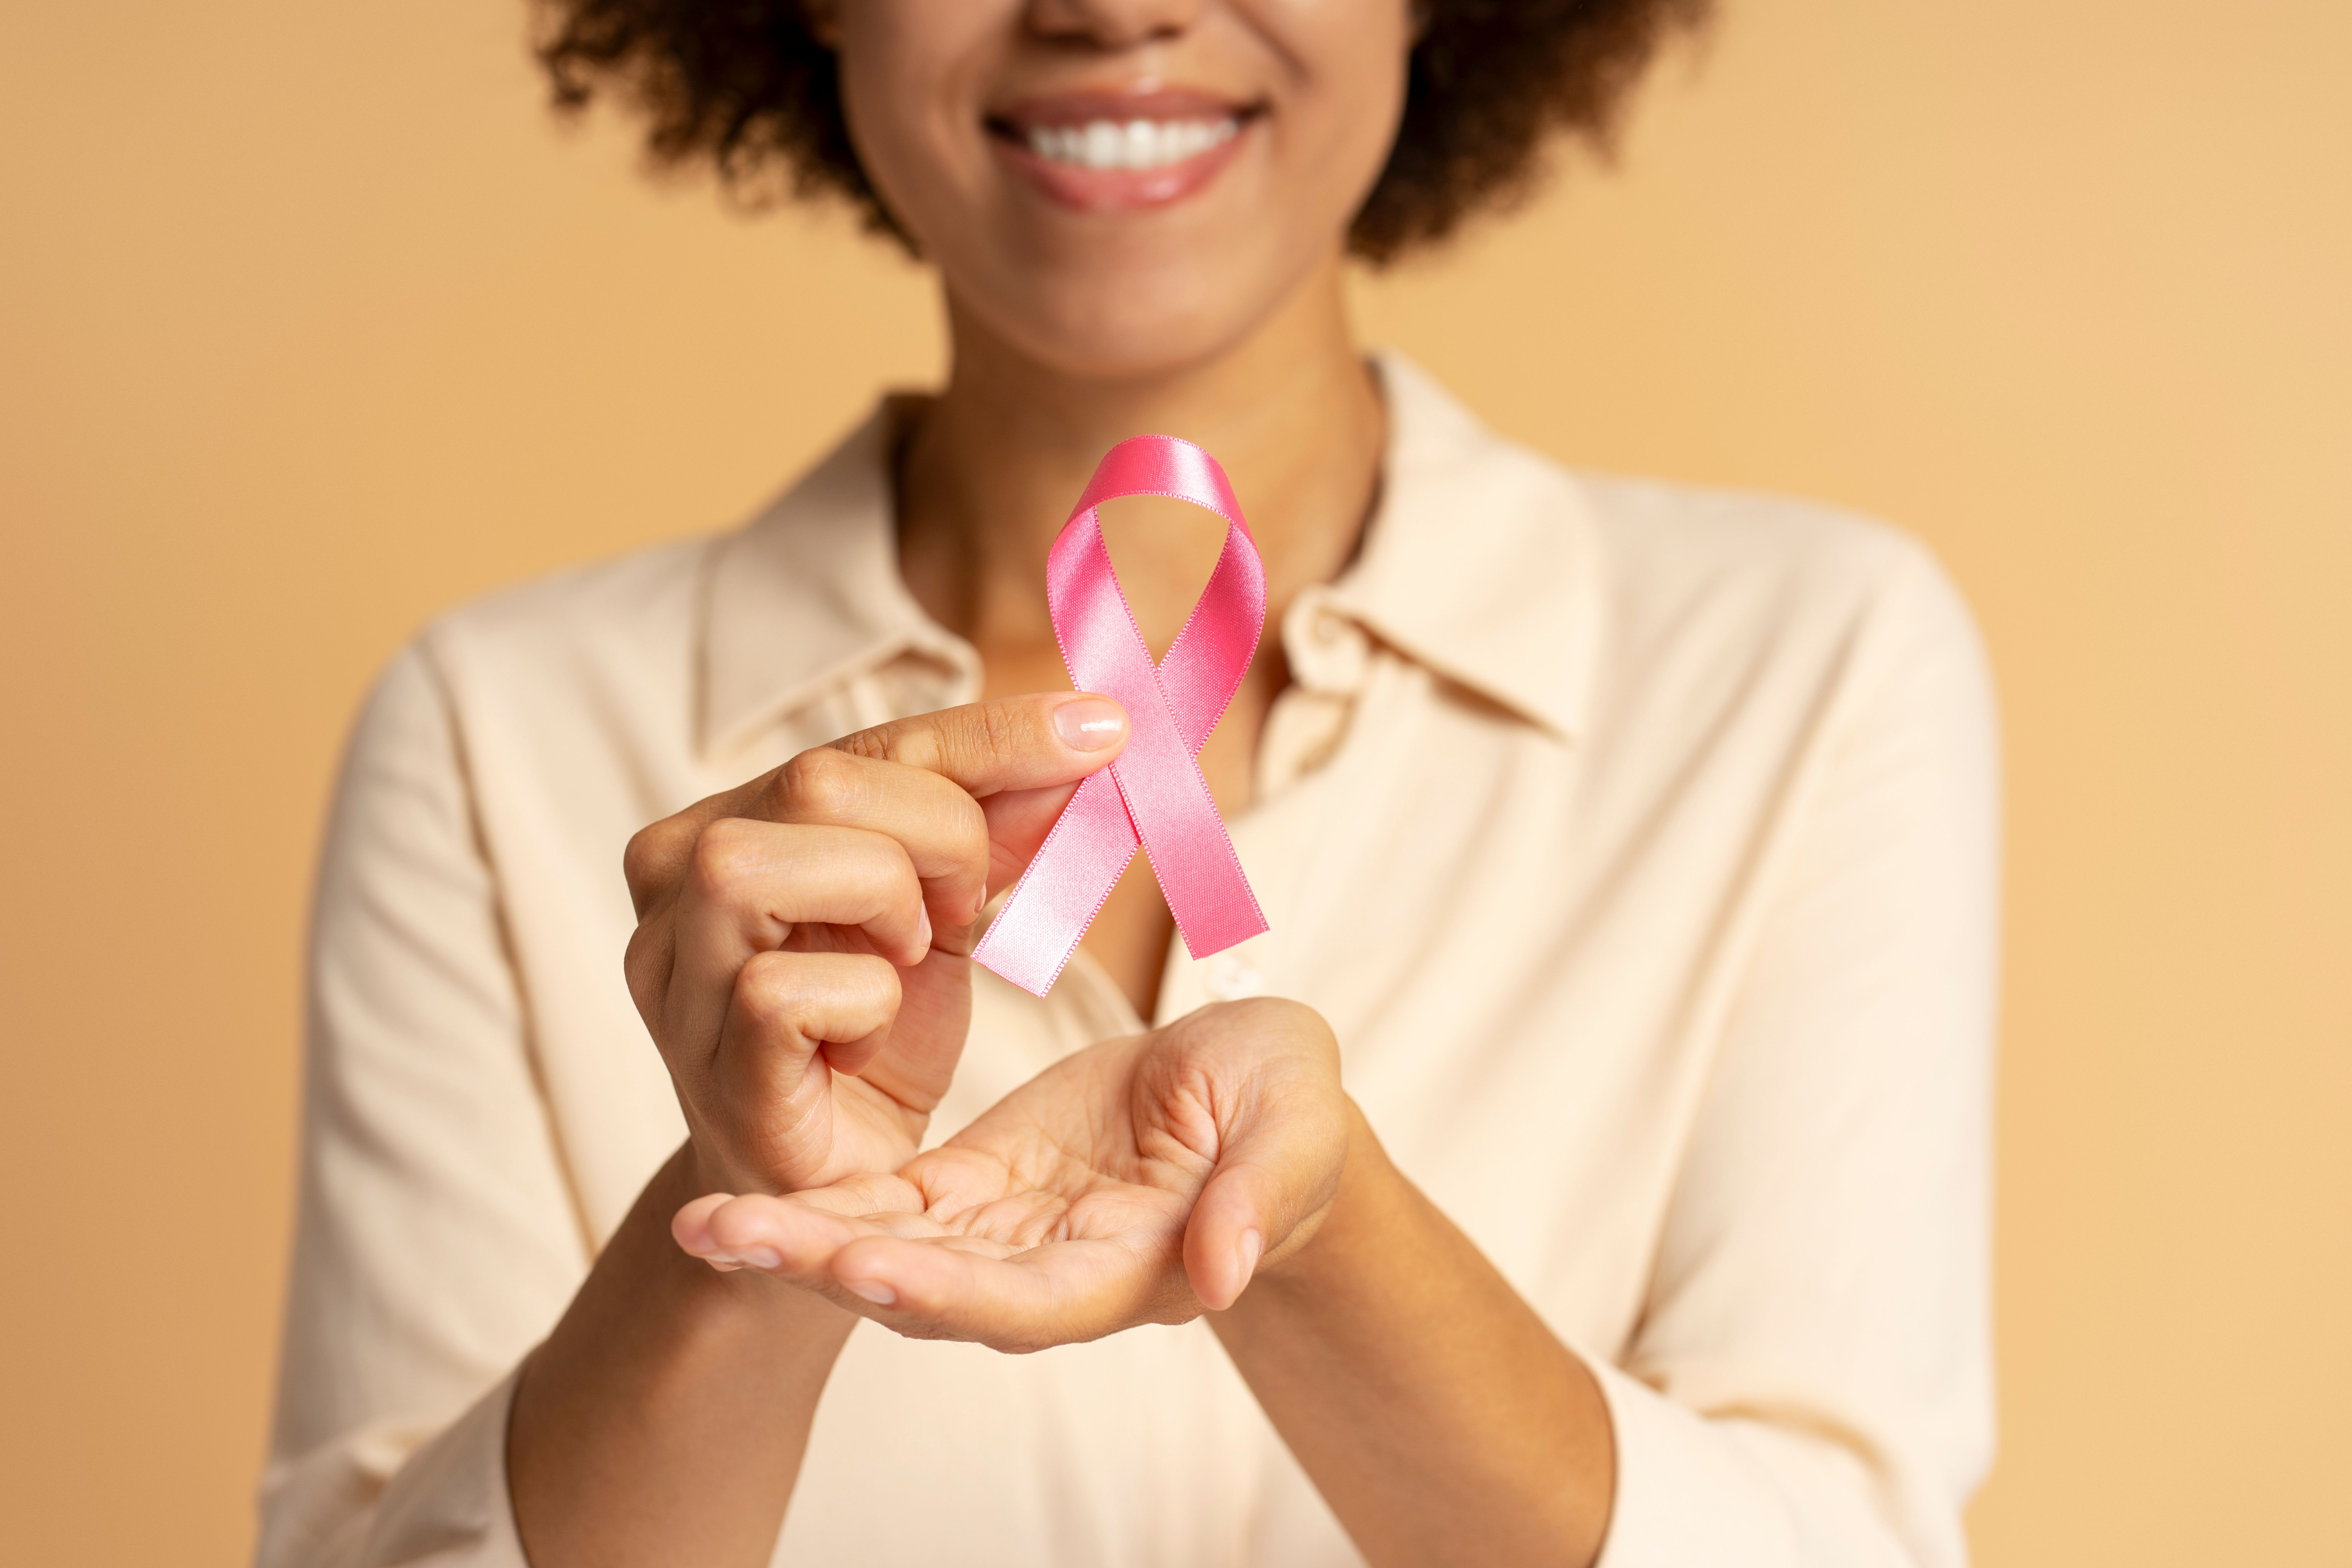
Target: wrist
<point x="696" y="1172"/>
<point x="647" y="1424"/>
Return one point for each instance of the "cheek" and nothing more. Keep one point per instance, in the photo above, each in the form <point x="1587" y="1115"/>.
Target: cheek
<point x="911" y="76"/>
<point x="1348" y="60"/>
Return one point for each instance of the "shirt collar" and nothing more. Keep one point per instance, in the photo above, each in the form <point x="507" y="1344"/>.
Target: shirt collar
<point x="1481" y="564"/>
<point x="1482" y="561"/>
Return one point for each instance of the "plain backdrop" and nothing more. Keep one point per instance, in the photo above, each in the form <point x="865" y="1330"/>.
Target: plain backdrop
<point x="312" y="322"/>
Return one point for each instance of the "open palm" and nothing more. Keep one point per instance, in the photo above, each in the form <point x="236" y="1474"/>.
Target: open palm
<point x="1137" y="1181"/>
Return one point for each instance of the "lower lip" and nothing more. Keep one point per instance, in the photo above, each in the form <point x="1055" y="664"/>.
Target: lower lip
<point x="1121" y="189"/>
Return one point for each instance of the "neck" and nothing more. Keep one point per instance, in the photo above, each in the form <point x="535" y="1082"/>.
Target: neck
<point x="988" y="473"/>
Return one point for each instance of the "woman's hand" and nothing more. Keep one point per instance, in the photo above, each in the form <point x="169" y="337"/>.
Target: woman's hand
<point x="800" y="942"/>
<point x="1140" y="1180"/>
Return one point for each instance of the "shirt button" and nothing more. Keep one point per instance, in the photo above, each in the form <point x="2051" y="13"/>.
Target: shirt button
<point x="1332" y="656"/>
<point x="1230" y="979"/>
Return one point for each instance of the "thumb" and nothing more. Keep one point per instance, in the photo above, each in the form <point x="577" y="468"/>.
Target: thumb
<point x="1040" y="740"/>
<point x="1274" y="1182"/>
<point x="1020" y="757"/>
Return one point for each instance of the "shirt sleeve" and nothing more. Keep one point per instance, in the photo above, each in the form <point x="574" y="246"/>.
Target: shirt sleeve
<point x="437" y="1240"/>
<point x="1811" y="1381"/>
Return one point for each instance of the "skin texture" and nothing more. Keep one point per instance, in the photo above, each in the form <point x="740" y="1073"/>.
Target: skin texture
<point x="801" y="960"/>
<point x="1135" y="1182"/>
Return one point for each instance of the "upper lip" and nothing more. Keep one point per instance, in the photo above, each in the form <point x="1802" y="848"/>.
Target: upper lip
<point x="1156" y="103"/>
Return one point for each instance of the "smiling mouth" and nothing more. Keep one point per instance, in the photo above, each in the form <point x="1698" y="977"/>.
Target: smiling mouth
<point x="1128" y="144"/>
<point x="1122" y="150"/>
<point x="1139" y="144"/>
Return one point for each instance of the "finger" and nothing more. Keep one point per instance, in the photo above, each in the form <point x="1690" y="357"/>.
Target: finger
<point x="941" y="828"/>
<point x="751" y="883"/>
<point x="1271" y="1187"/>
<point x="656" y="858"/>
<point x="1282" y="1137"/>
<point x="794" y="1238"/>
<point x="1040" y="741"/>
<point x="1225" y="1241"/>
<point x="1009" y="743"/>
<point x="792" y="1242"/>
<point x="766" y="1093"/>
<point x="767" y="1219"/>
<point x="1020" y="757"/>
<point x="690" y="1228"/>
<point x="1062" y="1293"/>
<point x="789" y="1006"/>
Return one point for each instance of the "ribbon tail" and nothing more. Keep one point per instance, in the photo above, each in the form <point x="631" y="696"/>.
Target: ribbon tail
<point x="1193" y="856"/>
<point x="1038" y="926"/>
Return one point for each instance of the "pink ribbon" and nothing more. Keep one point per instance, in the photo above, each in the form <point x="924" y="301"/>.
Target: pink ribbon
<point x="1153" y="795"/>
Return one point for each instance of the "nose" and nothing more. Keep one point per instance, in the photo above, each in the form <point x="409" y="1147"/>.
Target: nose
<point x="1112" y="24"/>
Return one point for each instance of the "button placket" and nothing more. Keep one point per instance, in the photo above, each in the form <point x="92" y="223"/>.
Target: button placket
<point x="1230" y="976"/>
<point x="1327" y="649"/>
<point x="1329" y="656"/>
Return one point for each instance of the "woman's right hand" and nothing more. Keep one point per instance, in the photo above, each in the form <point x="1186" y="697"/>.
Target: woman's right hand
<point x="802" y="942"/>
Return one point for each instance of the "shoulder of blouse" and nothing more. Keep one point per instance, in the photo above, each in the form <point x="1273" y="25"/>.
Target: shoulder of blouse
<point x="1759" y="574"/>
<point x="635" y="607"/>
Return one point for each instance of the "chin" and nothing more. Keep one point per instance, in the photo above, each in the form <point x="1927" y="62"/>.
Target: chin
<point x="1109" y="336"/>
<point x="1123" y="317"/>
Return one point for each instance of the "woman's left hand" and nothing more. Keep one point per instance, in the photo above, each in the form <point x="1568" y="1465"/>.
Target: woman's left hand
<point x="1141" y="1179"/>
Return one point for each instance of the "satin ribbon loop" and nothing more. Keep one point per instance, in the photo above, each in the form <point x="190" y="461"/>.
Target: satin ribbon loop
<point x="1153" y="798"/>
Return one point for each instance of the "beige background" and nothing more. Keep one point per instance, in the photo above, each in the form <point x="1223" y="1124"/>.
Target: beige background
<point x="311" y="322"/>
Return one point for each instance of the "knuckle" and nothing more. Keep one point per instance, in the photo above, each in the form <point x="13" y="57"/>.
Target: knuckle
<point x="768" y="991"/>
<point x="651" y="857"/>
<point x="821" y="783"/>
<point x="873" y="983"/>
<point x="893" y="867"/>
<point x="643" y="965"/>
<point x="723" y="855"/>
<point x="790" y="991"/>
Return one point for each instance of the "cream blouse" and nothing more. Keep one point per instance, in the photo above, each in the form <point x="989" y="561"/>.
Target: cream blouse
<point x="1640" y="845"/>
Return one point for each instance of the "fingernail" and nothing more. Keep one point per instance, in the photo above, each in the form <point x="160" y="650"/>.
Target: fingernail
<point x="1090" y="723"/>
<point x="874" y="1290"/>
<point x="763" y="1258"/>
<point x="1251" y="1246"/>
<point x="923" y="927"/>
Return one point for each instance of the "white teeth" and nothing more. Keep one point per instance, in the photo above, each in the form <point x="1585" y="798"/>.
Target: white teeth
<point x="1138" y="144"/>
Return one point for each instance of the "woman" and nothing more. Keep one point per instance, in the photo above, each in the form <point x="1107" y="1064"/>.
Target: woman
<point x="1588" y="1164"/>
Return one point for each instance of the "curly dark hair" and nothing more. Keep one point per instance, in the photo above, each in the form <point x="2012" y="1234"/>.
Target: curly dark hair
<point x="745" y="85"/>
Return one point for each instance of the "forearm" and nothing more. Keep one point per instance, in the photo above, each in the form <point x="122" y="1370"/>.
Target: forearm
<point x="1437" y="1415"/>
<point x="665" y="1418"/>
